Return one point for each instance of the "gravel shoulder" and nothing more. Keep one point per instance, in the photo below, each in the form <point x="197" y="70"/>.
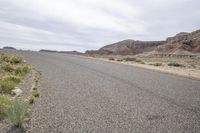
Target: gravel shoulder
<point x="5" y="125"/>
<point x="25" y="85"/>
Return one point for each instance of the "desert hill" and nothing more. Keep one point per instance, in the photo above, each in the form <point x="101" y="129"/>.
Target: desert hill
<point x="181" y="43"/>
<point x="127" y="47"/>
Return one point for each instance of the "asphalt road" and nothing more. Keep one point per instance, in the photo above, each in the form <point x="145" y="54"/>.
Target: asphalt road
<point x="85" y="95"/>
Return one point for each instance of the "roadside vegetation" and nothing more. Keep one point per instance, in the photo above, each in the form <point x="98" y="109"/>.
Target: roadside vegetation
<point x="147" y="62"/>
<point x="139" y="61"/>
<point x="119" y="60"/>
<point x="35" y="93"/>
<point x="17" y="111"/>
<point x="111" y="58"/>
<point x="5" y="101"/>
<point x="176" y="64"/>
<point x="129" y="59"/>
<point x="156" y="64"/>
<point x="13" y="69"/>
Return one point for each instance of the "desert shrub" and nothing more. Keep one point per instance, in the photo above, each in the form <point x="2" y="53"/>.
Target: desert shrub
<point x="6" y="58"/>
<point x="142" y="62"/>
<point x="7" y="67"/>
<point x="31" y="99"/>
<point x="175" y="65"/>
<point x="34" y="88"/>
<point x="13" y="78"/>
<point x="1" y="60"/>
<point x="35" y="93"/>
<point x="7" y="86"/>
<point x="4" y="103"/>
<point x="17" y="111"/>
<point x="8" y="83"/>
<point x="16" y="59"/>
<point x="111" y="58"/>
<point x="22" y="70"/>
<point x="129" y="59"/>
<point x="9" y="58"/>
<point x="139" y="61"/>
<point x="119" y="60"/>
<point x="157" y="64"/>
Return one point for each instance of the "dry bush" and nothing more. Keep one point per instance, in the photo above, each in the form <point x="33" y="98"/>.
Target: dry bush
<point x="17" y="112"/>
<point x="176" y="64"/>
<point x="129" y="59"/>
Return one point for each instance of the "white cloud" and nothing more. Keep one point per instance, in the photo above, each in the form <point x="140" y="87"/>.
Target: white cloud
<point x="88" y="13"/>
<point x="89" y="24"/>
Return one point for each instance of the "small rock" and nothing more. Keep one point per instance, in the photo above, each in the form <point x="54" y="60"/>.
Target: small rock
<point x="16" y="92"/>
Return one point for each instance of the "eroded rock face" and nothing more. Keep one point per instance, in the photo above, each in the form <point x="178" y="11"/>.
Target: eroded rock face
<point x="181" y="43"/>
<point x="130" y="47"/>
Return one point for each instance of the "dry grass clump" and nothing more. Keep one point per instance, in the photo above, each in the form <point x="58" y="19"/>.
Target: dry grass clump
<point x="119" y="60"/>
<point x="35" y="93"/>
<point x="8" y="83"/>
<point x="13" y="78"/>
<point x="129" y="59"/>
<point x="22" y="70"/>
<point x="12" y="58"/>
<point x="139" y="61"/>
<point x="157" y="64"/>
<point x="12" y="70"/>
<point x="176" y="64"/>
<point x="7" y="86"/>
<point x="111" y="58"/>
<point x="134" y="60"/>
<point x="17" y="112"/>
<point x="7" y="67"/>
<point x="31" y="99"/>
<point x="13" y="64"/>
<point x="5" y="101"/>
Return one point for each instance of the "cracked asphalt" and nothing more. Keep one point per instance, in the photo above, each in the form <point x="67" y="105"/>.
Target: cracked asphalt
<point x="86" y="95"/>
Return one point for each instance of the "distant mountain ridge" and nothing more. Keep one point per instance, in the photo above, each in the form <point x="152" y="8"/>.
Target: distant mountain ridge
<point x="181" y="43"/>
<point x="10" y="48"/>
<point x="66" y="52"/>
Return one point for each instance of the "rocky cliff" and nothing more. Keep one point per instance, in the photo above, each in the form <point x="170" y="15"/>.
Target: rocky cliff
<point x="181" y="43"/>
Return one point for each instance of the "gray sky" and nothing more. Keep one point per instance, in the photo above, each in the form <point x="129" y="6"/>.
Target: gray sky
<point x="90" y="24"/>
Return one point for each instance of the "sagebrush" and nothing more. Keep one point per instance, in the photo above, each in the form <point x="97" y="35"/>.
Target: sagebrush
<point x="17" y="111"/>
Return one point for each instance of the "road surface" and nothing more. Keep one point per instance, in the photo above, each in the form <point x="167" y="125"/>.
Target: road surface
<point x="86" y="95"/>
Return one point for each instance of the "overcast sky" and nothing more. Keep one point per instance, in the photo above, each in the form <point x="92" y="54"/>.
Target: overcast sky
<point x="89" y="24"/>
